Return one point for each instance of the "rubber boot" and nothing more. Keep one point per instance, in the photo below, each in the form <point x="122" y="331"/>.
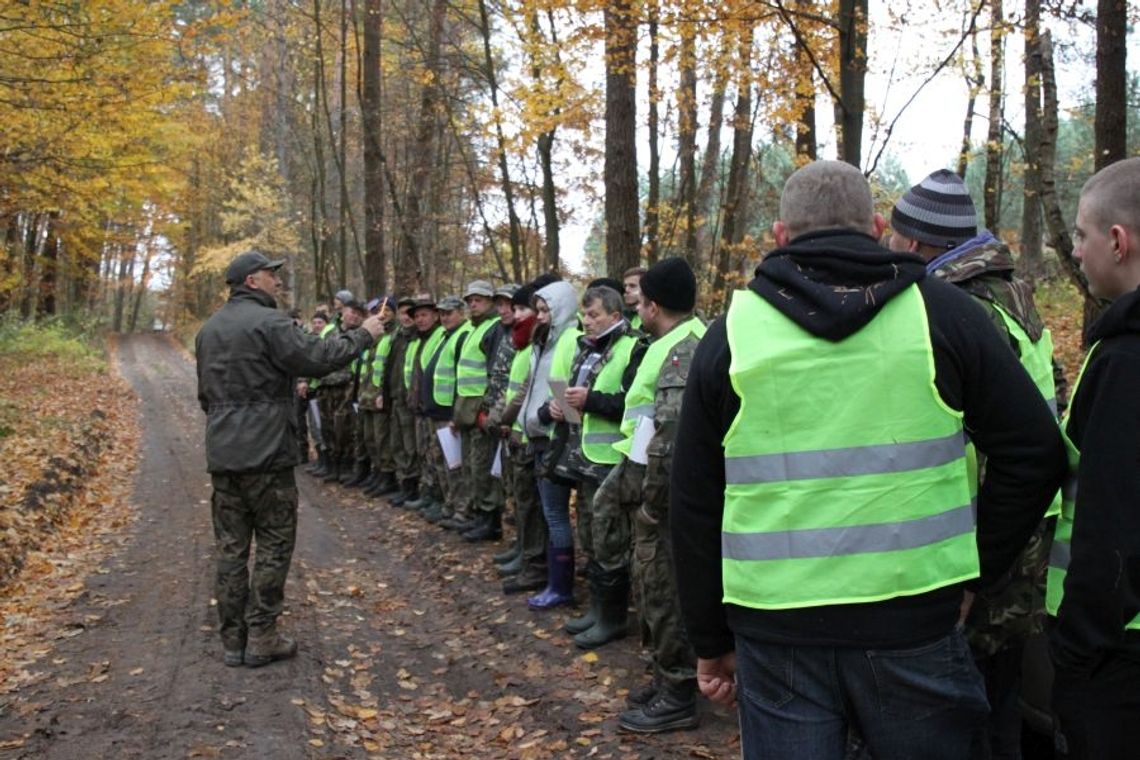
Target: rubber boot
<point x="332" y="473"/>
<point x="489" y="528"/>
<point x="423" y="501"/>
<point x="370" y="480"/>
<point x="509" y="554"/>
<point x="511" y="568"/>
<point x="559" y="589"/>
<point x="612" y="591"/>
<point x="530" y="578"/>
<point x="409" y="491"/>
<point x="352" y="471"/>
<point x="576" y="625"/>
<point x="459" y="523"/>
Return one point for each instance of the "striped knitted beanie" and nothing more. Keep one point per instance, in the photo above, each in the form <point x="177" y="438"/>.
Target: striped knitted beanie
<point x="937" y="211"/>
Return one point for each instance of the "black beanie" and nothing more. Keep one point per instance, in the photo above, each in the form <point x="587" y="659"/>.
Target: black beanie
<point x="606" y="282"/>
<point x="937" y="211"/>
<point x="523" y="296"/>
<point x="670" y="283"/>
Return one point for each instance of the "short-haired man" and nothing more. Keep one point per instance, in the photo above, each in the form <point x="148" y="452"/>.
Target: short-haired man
<point x="248" y="353"/>
<point x="425" y="317"/>
<point x="343" y="385"/>
<point x="1094" y="571"/>
<point x="397" y="385"/>
<point x="824" y="518"/>
<point x="936" y="220"/>
<point x="631" y="294"/>
<point x="375" y="416"/>
<point x="609" y="354"/>
<point x="475" y="503"/>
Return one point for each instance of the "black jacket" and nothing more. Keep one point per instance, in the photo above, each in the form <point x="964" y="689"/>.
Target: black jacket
<point x="832" y="284"/>
<point x="1102" y="587"/>
<point x="248" y="356"/>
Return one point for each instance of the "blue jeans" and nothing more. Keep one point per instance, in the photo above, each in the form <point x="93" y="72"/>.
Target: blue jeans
<point x="802" y="702"/>
<point x="556" y="508"/>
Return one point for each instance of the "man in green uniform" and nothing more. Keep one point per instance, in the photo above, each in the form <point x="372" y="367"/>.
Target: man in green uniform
<point x="428" y="334"/>
<point x="397" y="384"/>
<point x="374" y="416"/>
<point x="248" y="354"/>
<point x="666" y="302"/>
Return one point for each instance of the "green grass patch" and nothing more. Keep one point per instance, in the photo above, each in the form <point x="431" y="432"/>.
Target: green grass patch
<point x="53" y="337"/>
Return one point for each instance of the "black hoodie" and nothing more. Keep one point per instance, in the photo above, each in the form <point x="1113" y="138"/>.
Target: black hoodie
<point x="1102" y="587"/>
<point x="832" y="284"/>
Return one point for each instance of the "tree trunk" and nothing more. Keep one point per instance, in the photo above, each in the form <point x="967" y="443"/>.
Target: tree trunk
<point x="1054" y="217"/>
<point x="143" y="286"/>
<point x="852" y="19"/>
<point x="513" y="227"/>
<point x="412" y="278"/>
<point x="622" y="224"/>
<point x="1032" y="261"/>
<point x="1111" y="82"/>
<point x="994" y="140"/>
<point x="342" y="163"/>
<point x="975" y="83"/>
<point x="375" y="257"/>
<point x="710" y="161"/>
<point x="49" y="268"/>
<point x="736" y="192"/>
<point x="653" y="201"/>
<point x="28" y="303"/>
<point x="687" y="141"/>
<point x="551" y="244"/>
<point x="806" y="145"/>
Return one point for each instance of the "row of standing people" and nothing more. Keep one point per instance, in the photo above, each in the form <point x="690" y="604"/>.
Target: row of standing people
<point x="539" y="395"/>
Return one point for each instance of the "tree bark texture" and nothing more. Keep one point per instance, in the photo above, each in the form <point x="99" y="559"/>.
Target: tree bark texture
<point x="995" y="143"/>
<point x="1032" y="262"/>
<point x="375" y="257"/>
<point x="1111" y="82"/>
<point x="623" y="229"/>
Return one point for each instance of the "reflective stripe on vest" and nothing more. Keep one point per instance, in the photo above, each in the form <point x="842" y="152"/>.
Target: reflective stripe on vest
<point x="642" y="394"/>
<point x="329" y="327"/>
<point x="383" y="349"/>
<point x="1061" y="553"/>
<point x="599" y="434"/>
<point x="443" y="379"/>
<point x="471" y="376"/>
<point x="520" y="368"/>
<point x="846" y="474"/>
<point x="410" y="361"/>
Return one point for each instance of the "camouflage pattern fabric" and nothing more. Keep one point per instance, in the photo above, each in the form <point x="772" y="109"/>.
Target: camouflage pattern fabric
<point x="427" y="450"/>
<point x="530" y="522"/>
<point x="1015" y="612"/>
<point x="613" y="501"/>
<point x="478" y="455"/>
<point x="343" y="422"/>
<point x="261" y="506"/>
<point x="673" y="655"/>
<point x="446" y="479"/>
<point x="402" y="430"/>
<point x="584" y="516"/>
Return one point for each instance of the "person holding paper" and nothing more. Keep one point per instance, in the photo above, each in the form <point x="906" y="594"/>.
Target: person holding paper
<point x="666" y="301"/>
<point x="553" y="350"/>
<point x="437" y="398"/>
<point x="607" y="360"/>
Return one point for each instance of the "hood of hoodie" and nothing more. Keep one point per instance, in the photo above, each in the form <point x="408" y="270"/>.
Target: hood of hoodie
<point x="832" y="283"/>
<point x="563" y="302"/>
<point x="1122" y="317"/>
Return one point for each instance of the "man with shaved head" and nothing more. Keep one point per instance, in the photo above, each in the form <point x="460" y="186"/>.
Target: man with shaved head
<point x="825" y="525"/>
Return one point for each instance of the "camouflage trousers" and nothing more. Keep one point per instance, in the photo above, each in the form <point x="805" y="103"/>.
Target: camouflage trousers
<point x="403" y="438"/>
<point x="326" y="406"/>
<point x="608" y="506"/>
<point x="340" y="437"/>
<point x="529" y="520"/>
<point x="656" y="591"/>
<point x="376" y="430"/>
<point x="259" y="508"/>
<point x="477" y="490"/>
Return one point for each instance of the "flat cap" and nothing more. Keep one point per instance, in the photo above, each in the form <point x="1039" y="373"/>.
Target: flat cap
<point x="450" y="303"/>
<point x="506" y="291"/>
<point x="422" y="303"/>
<point x="245" y="264"/>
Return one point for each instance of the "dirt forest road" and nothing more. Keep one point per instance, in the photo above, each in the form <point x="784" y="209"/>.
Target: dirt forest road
<point x="407" y="647"/>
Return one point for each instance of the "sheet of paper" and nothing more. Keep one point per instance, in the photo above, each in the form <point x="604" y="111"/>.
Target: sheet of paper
<point x="452" y="447"/>
<point x="642" y="435"/>
<point x="497" y="464"/>
<point x="558" y="390"/>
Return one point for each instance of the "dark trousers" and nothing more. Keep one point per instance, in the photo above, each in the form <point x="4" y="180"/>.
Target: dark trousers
<point x="1098" y="714"/>
<point x="803" y="702"/>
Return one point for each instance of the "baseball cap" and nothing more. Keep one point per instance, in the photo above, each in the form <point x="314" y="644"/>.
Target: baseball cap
<point x="245" y="264"/>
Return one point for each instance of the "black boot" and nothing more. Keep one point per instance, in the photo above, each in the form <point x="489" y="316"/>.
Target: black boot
<point x="513" y="567"/>
<point x="370" y="481"/>
<point x="409" y="491"/>
<point x="359" y="475"/>
<point x="672" y="708"/>
<point x="459" y="523"/>
<point x="352" y="472"/>
<point x="321" y="468"/>
<point x="489" y="528"/>
<point x="612" y="591"/>
<point x="386" y="485"/>
<point x="332" y="472"/>
<point x="531" y="578"/>
<point x="510" y="554"/>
